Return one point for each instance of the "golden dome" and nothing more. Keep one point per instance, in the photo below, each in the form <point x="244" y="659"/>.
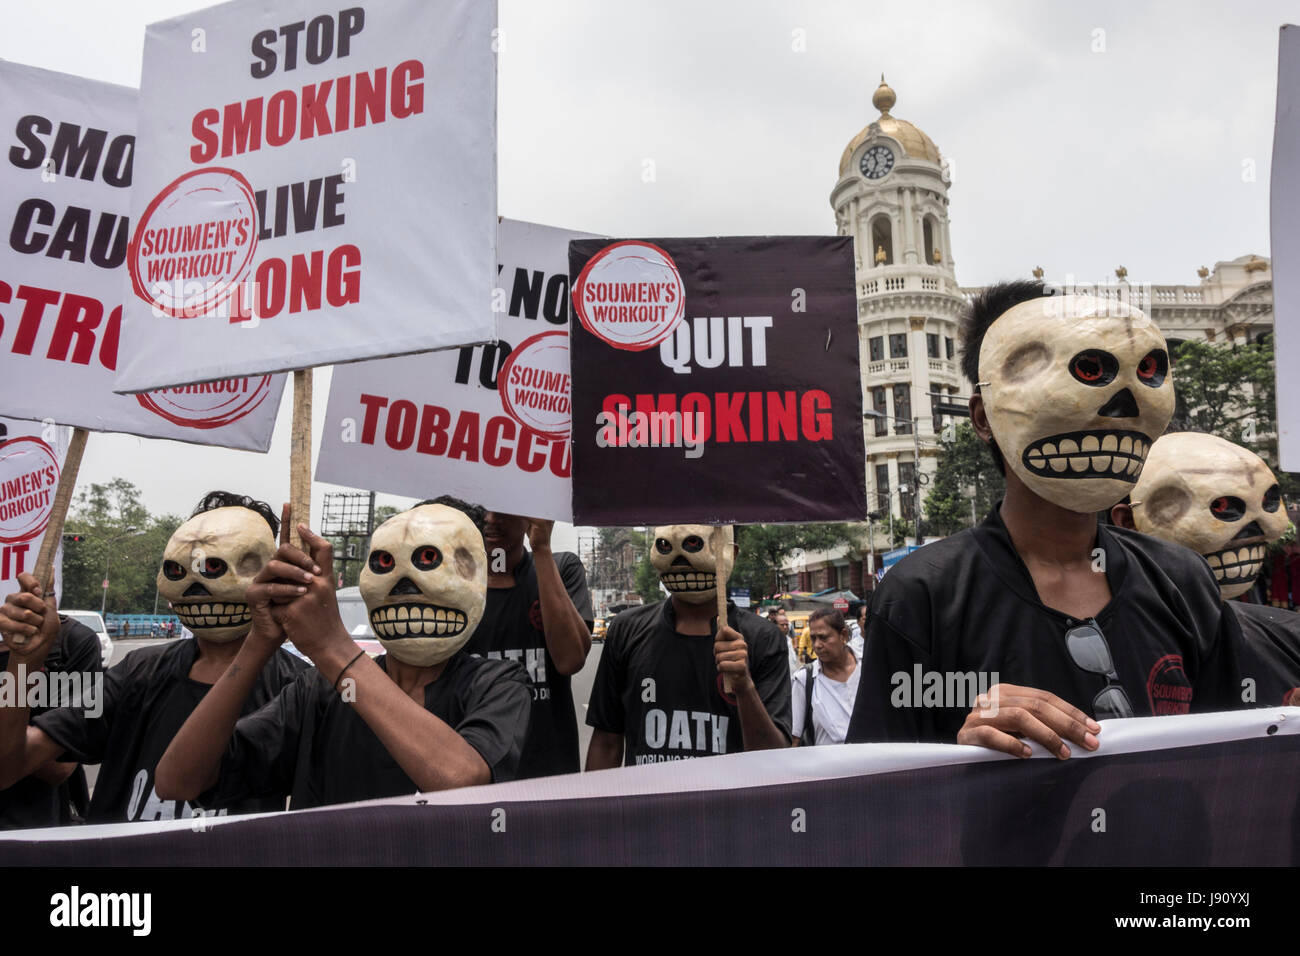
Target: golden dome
<point x="914" y="142"/>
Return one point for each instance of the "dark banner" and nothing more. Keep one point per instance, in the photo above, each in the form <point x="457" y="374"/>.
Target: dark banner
<point x="1225" y="802"/>
<point x="715" y="381"/>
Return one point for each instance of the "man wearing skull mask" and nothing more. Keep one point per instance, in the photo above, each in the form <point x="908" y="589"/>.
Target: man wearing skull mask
<point x="207" y="566"/>
<point x="1070" y="620"/>
<point x="658" y="693"/>
<point x="426" y="716"/>
<point x="1223" y="502"/>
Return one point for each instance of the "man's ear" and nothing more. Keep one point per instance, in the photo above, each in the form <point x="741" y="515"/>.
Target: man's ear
<point x="979" y="419"/>
<point x="1122" y="515"/>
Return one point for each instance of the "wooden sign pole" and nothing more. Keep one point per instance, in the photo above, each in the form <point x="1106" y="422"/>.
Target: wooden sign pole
<point x="300" y="454"/>
<point x="44" y="570"/>
<point x="720" y="543"/>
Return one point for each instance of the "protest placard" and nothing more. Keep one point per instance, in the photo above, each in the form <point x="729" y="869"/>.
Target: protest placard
<point x="31" y="458"/>
<point x="716" y="381"/>
<point x="1285" y="227"/>
<point x="65" y="180"/>
<point x="486" y="423"/>
<point x="314" y="185"/>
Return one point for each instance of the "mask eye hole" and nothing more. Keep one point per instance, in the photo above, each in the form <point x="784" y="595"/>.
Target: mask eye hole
<point x="693" y="544"/>
<point x="1153" y="368"/>
<point x="426" y="557"/>
<point x="1094" y="367"/>
<point x="381" y="562"/>
<point x="172" y="570"/>
<point x="1272" y="499"/>
<point x="663" y="546"/>
<point x="1227" y="508"/>
<point x="213" y="568"/>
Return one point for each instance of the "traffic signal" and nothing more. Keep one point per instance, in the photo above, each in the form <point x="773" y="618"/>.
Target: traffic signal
<point x="74" y="538"/>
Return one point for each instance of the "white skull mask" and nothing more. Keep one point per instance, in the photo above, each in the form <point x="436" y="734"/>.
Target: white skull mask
<point x="1212" y="496"/>
<point x="207" y="567"/>
<point x="687" y="564"/>
<point x="1075" y="390"/>
<point x="425" y="583"/>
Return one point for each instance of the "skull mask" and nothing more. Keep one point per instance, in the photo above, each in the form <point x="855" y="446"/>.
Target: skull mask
<point x="207" y="567"/>
<point x="684" y="557"/>
<point x="425" y="583"/>
<point x="1075" y="389"/>
<point x="1217" y="498"/>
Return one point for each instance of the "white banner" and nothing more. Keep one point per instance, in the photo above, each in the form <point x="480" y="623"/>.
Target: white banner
<point x="1285" y="228"/>
<point x="31" y="459"/>
<point x="314" y="185"/>
<point x="486" y="423"/>
<point x="65" y="179"/>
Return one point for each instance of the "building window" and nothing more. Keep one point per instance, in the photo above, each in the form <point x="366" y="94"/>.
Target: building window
<point x="902" y="409"/>
<point x="882" y="488"/>
<point x="947" y="342"/>
<point x="878" y="400"/>
<point x="927" y="231"/>
<point x="882" y="243"/>
<point x="877" y="345"/>
<point x="907" y="489"/>
<point x="932" y="344"/>
<point x="898" y="345"/>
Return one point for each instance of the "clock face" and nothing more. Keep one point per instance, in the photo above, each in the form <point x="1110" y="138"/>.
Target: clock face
<point x="877" y="162"/>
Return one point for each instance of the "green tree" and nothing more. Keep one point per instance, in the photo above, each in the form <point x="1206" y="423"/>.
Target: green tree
<point x="119" y="540"/>
<point x="965" y="473"/>
<point x="1231" y="391"/>
<point x="647" y="581"/>
<point x="765" y="547"/>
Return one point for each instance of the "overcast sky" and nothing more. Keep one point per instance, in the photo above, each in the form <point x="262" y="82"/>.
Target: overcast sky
<point x="1082" y="136"/>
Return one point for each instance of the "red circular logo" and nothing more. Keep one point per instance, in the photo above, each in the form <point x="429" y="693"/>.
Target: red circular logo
<point x="195" y="242"/>
<point x="630" y="295"/>
<point x="210" y="405"/>
<point x="534" y="385"/>
<point x="29" y="473"/>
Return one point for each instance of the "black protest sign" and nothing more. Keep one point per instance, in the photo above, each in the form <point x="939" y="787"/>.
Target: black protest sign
<point x="716" y="381"/>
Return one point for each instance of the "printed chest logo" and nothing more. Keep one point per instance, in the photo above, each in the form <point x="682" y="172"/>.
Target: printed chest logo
<point x="1168" y="689"/>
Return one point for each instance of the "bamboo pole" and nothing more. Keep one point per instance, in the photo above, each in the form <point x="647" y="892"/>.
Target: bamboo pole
<point x="720" y="543"/>
<point x="300" y="454"/>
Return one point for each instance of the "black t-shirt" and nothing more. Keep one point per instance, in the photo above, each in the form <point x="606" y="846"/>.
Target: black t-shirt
<point x="511" y="629"/>
<point x="31" y="802"/>
<point x="309" y="745"/>
<point x="147" y="698"/>
<point x="662" y="691"/>
<point x="1270" y="649"/>
<point x="957" y="616"/>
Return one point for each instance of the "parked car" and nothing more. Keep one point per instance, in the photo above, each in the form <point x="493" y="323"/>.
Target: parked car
<point x="92" y="620"/>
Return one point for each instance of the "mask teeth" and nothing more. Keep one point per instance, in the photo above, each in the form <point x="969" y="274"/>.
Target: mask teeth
<point x="417" y="620"/>
<point x="212" y="614"/>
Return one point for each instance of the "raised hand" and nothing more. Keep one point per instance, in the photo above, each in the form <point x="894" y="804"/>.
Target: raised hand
<point x="29" y="621"/>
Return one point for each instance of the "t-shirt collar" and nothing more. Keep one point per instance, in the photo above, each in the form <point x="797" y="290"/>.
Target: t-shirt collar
<point x="994" y="540"/>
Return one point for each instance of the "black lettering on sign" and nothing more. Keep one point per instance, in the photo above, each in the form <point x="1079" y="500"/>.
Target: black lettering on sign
<point x="315" y="39"/>
<point x="74" y="152"/>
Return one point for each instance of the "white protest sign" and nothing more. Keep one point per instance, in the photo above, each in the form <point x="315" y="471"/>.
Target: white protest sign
<point x="65" y="173"/>
<point x="1285" y="229"/>
<point x="489" y="424"/>
<point x="31" y="458"/>
<point x="316" y="184"/>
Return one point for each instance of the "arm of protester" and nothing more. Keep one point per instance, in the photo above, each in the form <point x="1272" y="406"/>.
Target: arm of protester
<point x="55" y="772"/>
<point x="757" y="728"/>
<point x="1008" y="712"/>
<point x="192" y="762"/>
<point x="568" y="635"/>
<point x="33" y="620"/>
<point x="430" y="752"/>
<point x="605" y="750"/>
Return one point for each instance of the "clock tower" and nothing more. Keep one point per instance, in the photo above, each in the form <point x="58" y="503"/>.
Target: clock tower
<point x="892" y="198"/>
